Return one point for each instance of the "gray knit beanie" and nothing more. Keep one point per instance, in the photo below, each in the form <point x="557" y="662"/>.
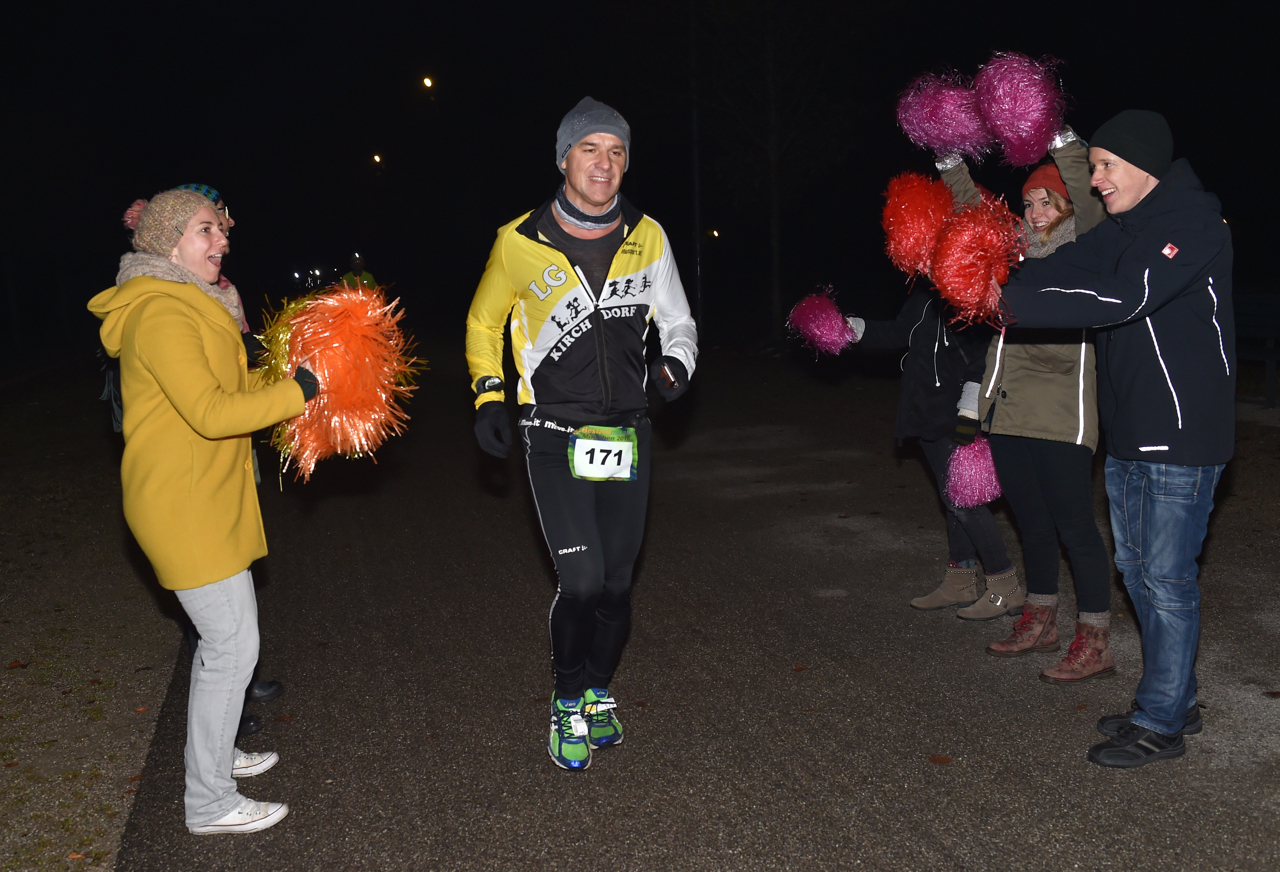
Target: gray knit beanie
<point x="166" y="215"/>
<point x="590" y="116"/>
<point x="1139" y="136"/>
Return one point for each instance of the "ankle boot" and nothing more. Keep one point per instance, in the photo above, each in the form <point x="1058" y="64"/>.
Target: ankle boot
<point x="959" y="588"/>
<point x="1036" y="630"/>
<point x="1004" y="596"/>
<point x="1088" y="657"/>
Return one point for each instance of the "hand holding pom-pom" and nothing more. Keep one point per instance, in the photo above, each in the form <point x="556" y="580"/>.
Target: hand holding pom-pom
<point x="351" y="340"/>
<point x="941" y="113"/>
<point x="824" y="329"/>
<point x="971" y="475"/>
<point x="1022" y="104"/>
<point x="915" y="210"/>
<point x="975" y="250"/>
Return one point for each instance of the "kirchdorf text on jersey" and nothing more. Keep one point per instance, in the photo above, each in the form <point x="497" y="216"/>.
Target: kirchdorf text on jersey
<point x="570" y="336"/>
<point x="619" y="311"/>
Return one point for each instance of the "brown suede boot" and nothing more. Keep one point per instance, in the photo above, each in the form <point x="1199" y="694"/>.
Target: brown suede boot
<point x="1088" y="657"/>
<point x="1004" y="596"/>
<point x="959" y="588"/>
<point x="1036" y="630"/>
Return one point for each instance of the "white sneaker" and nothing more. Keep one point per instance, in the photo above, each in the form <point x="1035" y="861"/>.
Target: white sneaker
<point x="249" y="816"/>
<point x="247" y="764"/>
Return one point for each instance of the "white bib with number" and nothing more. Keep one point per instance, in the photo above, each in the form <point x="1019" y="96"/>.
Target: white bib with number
<point x="603" y="453"/>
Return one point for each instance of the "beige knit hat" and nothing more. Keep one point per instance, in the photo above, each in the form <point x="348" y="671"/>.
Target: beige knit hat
<point x="161" y="223"/>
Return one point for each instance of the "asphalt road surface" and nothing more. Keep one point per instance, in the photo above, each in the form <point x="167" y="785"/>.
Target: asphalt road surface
<point x="784" y="707"/>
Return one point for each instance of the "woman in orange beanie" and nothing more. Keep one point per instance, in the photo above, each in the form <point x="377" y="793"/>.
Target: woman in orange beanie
<point x="1038" y="402"/>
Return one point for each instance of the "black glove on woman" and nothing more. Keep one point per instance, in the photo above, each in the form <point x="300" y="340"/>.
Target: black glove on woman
<point x="306" y="380"/>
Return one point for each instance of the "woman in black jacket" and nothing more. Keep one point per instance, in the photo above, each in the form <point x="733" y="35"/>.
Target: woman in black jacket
<point x="939" y="367"/>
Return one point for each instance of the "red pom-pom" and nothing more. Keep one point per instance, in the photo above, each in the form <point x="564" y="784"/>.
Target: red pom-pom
<point x="914" y="211"/>
<point x="971" y="475"/>
<point x="817" y="319"/>
<point x="977" y="245"/>
<point x="132" y="214"/>
<point x="351" y="340"/>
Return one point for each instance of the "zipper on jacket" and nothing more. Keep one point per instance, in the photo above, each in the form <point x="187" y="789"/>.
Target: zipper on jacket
<point x="597" y="326"/>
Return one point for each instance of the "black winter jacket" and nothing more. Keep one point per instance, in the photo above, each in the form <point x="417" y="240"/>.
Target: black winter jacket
<point x="937" y="364"/>
<point x="1157" y="280"/>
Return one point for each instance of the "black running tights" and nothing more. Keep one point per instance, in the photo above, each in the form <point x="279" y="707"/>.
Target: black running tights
<point x="594" y="530"/>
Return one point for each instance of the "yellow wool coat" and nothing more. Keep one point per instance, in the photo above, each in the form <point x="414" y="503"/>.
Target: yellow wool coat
<point x="189" y="407"/>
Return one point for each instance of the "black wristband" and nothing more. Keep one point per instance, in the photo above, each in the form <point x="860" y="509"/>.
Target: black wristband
<point x="487" y="383"/>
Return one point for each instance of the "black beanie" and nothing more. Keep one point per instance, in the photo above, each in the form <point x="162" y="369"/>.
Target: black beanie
<point x="1140" y="137"/>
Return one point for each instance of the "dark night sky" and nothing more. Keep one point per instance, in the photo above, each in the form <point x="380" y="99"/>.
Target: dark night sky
<point x="283" y="109"/>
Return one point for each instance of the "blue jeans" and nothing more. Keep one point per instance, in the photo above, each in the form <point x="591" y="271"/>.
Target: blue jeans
<point x="1159" y="514"/>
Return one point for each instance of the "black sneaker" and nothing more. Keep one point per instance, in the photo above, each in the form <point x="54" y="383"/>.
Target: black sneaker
<point x="1109" y="725"/>
<point x="1136" y="746"/>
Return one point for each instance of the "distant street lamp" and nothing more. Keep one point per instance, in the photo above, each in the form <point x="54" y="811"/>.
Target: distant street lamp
<point x="377" y="158"/>
<point x="427" y="81"/>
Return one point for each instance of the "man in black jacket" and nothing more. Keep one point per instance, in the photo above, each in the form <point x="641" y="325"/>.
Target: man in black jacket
<point x="1156" y="282"/>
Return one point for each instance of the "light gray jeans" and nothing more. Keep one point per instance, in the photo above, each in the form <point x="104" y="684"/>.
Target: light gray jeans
<point x="226" y="615"/>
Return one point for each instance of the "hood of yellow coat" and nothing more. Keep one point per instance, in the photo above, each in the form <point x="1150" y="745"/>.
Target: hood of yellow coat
<point x="114" y="305"/>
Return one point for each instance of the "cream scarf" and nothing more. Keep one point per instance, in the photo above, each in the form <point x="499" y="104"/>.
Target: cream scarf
<point x="137" y="263"/>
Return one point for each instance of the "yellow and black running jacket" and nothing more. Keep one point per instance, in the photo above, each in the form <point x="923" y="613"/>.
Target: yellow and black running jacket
<point x="579" y="350"/>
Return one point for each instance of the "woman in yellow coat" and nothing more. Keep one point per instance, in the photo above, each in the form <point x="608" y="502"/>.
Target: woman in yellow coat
<point x="187" y="476"/>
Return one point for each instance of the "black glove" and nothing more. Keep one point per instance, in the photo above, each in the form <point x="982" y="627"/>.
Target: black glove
<point x="306" y="380"/>
<point x="966" y="430"/>
<point x="252" y="346"/>
<point x="493" y="429"/>
<point x="670" y="377"/>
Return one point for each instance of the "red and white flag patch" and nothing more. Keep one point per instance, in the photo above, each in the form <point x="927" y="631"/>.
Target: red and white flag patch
<point x="1169" y="250"/>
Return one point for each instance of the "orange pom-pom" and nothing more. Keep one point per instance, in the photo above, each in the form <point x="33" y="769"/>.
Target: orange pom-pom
<point x="977" y="245"/>
<point x="914" y="211"/>
<point x="351" y="339"/>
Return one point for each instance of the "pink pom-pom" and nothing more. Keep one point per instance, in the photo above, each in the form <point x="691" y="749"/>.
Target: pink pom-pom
<point x="941" y="113"/>
<point x="971" y="475"/>
<point x="131" y="214"/>
<point x="1022" y="104"/>
<point x="976" y="247"/>
<point x="817" y="319"/>
<point x="915" y="209"/>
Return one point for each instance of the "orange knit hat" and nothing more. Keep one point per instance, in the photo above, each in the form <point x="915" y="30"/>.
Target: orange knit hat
<point x="1046" y="176"/>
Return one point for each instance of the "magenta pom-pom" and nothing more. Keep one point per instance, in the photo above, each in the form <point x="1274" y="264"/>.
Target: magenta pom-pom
<point x="941" y="113"/>
<point x="1022" y="104"/>
<point x="820" y="323"/>
<point x="971" y="475"/>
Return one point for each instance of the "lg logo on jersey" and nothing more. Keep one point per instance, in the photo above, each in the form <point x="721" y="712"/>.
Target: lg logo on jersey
<point x="554" y="278"/>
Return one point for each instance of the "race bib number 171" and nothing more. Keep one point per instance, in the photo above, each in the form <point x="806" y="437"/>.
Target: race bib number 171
<point x="603" y="453"/>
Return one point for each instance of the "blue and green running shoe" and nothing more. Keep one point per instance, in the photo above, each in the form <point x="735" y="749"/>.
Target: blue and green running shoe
<point x="568" y="744"/>
<point x="605" y="729"/>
